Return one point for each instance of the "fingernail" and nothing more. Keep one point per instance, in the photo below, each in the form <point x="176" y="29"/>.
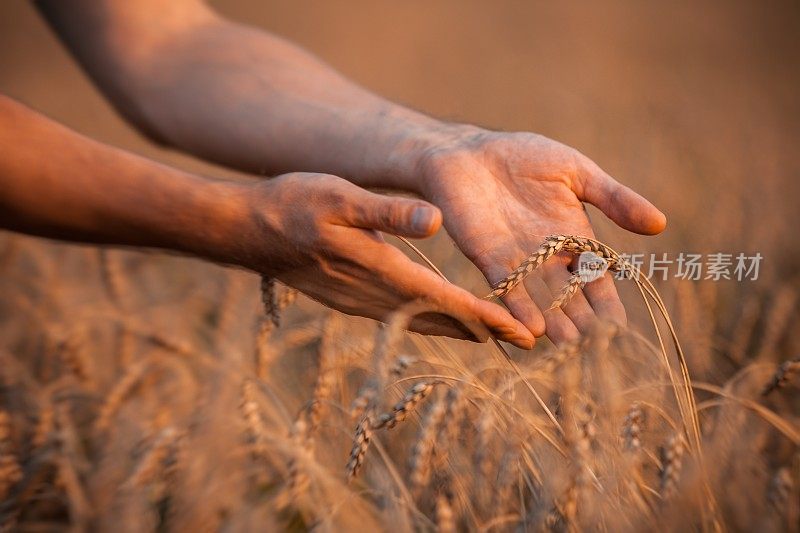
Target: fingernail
<point x="505" y="331"/>
<point x="421" y="219"/>
<point x="524" y="343"/>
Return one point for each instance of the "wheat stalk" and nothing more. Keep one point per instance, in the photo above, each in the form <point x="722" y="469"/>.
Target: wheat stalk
<point x="114" y="399"/>
<point x="776" y="320"/>
<point x="228" y="308"/>
<point x="113" y="275"/>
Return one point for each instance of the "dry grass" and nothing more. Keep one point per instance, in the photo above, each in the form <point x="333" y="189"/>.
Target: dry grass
<point x="219" y="419"/>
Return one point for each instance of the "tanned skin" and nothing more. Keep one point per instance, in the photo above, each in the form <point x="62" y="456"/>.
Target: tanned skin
<point x="241" y="97"/>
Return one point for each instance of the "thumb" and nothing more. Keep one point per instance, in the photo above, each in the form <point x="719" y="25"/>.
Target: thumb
<point x="398" y="216"/>
<point x="621" y="204"/>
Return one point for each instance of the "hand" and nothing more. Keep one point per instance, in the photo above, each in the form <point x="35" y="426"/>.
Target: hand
<point x="319" y="234"/>
<point x="502" y="193"/>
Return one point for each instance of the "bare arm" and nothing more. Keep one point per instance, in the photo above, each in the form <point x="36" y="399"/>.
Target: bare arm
<point x="248" y="99"/>
<point x="237" y="95"/>
<point x="313" y="231"/>
<point x="57" y="183"/>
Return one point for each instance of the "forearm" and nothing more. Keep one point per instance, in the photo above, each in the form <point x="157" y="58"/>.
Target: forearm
<point x="251" y="100"/>
<point x="56" y="183"/>
<point x="247" y="99"/>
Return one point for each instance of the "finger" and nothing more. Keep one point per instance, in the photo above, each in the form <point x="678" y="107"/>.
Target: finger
<point x="601" y="294"/>
<point x="621" y="204"/>
<point x="468" y="309"/>
<point x="556" y="275"/>
<point x="523" y="308"/>
<point x="414" y="281"/>
<point x="603" y="297"/>
<point x="558" y="328"/>
<point x="518" y="301"/>
<point x="443" y="325"/>
<point x="392" y="214"/>
<point x="373" y="301"/>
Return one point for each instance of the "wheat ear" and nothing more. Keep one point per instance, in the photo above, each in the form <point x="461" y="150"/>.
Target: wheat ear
<point x="401" y="409"/>
<point x="422" y="455"/>
<point x="156" y="464"/>
<point x="72" y="352"/>
<point x="43" y="433"/>
<point x="445" y="518"/>
<point x="360" y="446"/>
<point x="566" y="293"/>
<point x="780" y="489"/>
<point x="275" y="302"/>
<point x="551" y="246"/>
<point x="632" y="429"/>
<point x="299" y="481"/>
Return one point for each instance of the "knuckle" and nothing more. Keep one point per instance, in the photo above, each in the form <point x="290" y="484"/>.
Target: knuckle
<point x="323" y="183"/>
<point x="618" y="314"/>
<point x="325" y="180"/>
<point x="583" y="320"/>
<point x="313" y="238"/>
<point x="328" y="194"/>
<point x="337" y="203"/>
<point x="392" y="215"/>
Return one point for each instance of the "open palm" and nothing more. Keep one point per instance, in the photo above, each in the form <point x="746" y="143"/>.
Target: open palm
<point x="502" y="193"/>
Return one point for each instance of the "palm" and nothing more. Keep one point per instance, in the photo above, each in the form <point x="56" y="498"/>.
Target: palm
<point x="502" y="194"/>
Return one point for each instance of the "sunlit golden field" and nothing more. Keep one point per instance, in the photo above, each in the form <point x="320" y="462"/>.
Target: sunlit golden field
<point x="145" y="392"/>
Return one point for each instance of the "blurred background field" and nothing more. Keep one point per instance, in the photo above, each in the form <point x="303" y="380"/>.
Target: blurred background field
<point x="693" y="104"/>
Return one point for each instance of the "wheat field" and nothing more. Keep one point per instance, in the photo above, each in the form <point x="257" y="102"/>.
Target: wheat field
<point x="145" y="392"/>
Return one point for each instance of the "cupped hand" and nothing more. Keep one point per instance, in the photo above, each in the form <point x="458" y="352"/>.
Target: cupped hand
<point x="320" y="234"/>
<point x="502" y="193"/>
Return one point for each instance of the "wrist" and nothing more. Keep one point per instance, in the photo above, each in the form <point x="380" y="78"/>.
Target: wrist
<point x="429" y="151"/>
<point x="411" y="140"/>
<point x="217" y="223"/>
